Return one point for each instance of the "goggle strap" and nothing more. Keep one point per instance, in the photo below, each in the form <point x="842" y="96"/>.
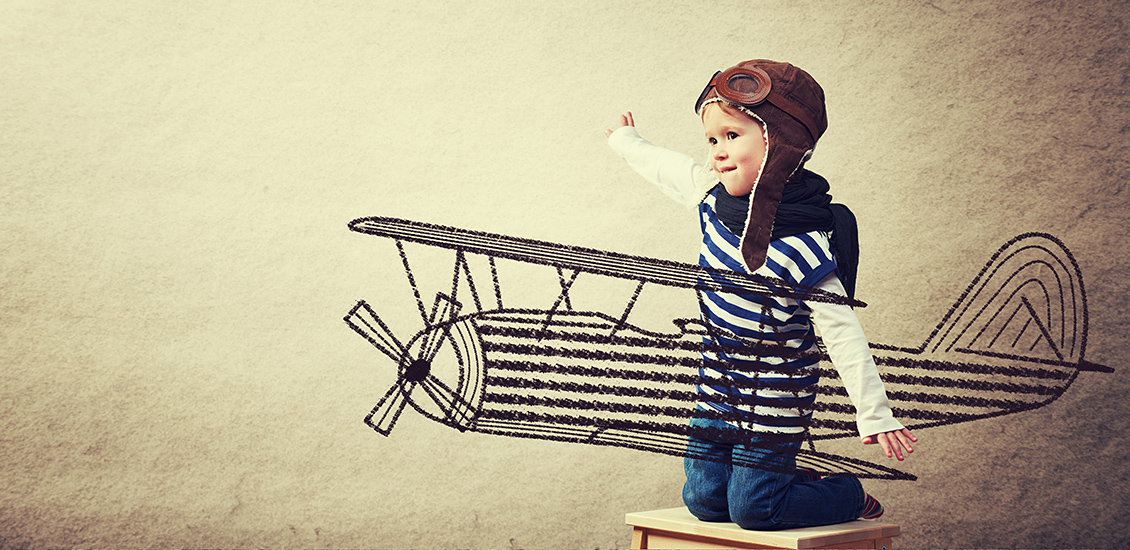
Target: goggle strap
<point x="705" y="92"/>
<point x="796" y="112"/>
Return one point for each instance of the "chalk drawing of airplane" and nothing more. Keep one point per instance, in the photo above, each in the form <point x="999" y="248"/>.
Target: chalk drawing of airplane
<point x="1013" y="341"/>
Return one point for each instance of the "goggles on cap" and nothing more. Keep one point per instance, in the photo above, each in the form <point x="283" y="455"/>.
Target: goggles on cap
<point x="749" y="87"/>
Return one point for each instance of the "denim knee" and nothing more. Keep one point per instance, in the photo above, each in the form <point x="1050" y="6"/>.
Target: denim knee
<point x="831" y="500"/>
<point x="754" y="521"/>
<point x="704" y="507"/>
<point x="704" y="493"/>
<point x="757" y="516"/>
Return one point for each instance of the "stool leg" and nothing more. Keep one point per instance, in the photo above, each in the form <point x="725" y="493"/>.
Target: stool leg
<point x="639" y="538"/>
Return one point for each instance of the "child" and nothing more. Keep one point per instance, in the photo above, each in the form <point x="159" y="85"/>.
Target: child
<point x="762" y="212"/>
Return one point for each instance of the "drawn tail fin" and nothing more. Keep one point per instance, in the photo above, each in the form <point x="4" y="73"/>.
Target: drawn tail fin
<point x="1027" y="302"/>
<point x="1014" y="341"/>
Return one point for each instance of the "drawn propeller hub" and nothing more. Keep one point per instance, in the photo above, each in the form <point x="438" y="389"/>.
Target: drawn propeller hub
<point x="417" y="370"/>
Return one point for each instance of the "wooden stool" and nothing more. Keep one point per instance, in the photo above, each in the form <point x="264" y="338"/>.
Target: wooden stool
<point x="677" y="528"/>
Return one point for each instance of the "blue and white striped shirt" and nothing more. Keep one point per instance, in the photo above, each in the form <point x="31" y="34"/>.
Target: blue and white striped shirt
<point x="771" y="389"/>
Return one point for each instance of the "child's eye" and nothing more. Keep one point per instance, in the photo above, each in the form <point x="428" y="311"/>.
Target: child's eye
<point x="732" y="135"/>
<point x="712" y="141"/>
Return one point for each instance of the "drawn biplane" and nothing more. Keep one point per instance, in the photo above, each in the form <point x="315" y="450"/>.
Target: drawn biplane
<point x="1013" y="341"/>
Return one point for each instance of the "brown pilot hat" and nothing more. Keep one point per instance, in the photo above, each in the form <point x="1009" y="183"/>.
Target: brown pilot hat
<point x="790" y="104"/>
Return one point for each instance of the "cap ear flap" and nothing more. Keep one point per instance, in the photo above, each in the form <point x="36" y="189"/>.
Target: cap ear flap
<point x="788" y="146"/>
<point x="763" y="209"/>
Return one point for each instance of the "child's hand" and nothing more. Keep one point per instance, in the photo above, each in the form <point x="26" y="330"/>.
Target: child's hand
<point x="625" y="120"/>
<point x="892" y="442"/>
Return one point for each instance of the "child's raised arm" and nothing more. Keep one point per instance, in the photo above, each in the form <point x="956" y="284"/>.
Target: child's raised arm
<point x="676" y="174"/>
<point x="625" y="120"/>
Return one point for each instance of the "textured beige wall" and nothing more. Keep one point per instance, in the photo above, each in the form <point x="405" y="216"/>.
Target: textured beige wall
<point x="176" y="179"/>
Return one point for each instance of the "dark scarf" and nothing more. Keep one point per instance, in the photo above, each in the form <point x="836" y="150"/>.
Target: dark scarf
<point x="805" y="206"/>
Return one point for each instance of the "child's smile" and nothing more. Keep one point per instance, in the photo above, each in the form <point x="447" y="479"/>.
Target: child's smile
<point x="737" y="147"/>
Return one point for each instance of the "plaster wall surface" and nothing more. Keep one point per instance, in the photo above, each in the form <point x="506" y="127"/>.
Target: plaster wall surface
<point x="176" y="181"/>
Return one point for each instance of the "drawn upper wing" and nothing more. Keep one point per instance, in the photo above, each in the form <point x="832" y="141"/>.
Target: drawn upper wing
<point x="590" y="260"/>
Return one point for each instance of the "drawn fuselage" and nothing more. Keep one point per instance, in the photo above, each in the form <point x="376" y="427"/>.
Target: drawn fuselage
<point x="1014" y="341"/>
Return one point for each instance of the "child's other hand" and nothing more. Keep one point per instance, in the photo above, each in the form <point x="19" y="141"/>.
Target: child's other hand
<point x="892" y="442"/>
<point x="625" y="120"/>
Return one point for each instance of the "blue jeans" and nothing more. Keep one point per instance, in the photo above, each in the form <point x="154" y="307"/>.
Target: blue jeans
<point x="756" y="498"/>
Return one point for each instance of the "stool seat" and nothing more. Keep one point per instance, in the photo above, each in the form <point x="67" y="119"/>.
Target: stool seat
<point x="677" y="528"/>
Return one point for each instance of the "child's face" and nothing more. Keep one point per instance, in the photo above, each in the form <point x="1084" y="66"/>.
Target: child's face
<point x="737" y="147"/>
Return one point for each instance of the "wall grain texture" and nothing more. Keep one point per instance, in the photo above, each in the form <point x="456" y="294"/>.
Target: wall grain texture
<point x="176" y="180"/>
